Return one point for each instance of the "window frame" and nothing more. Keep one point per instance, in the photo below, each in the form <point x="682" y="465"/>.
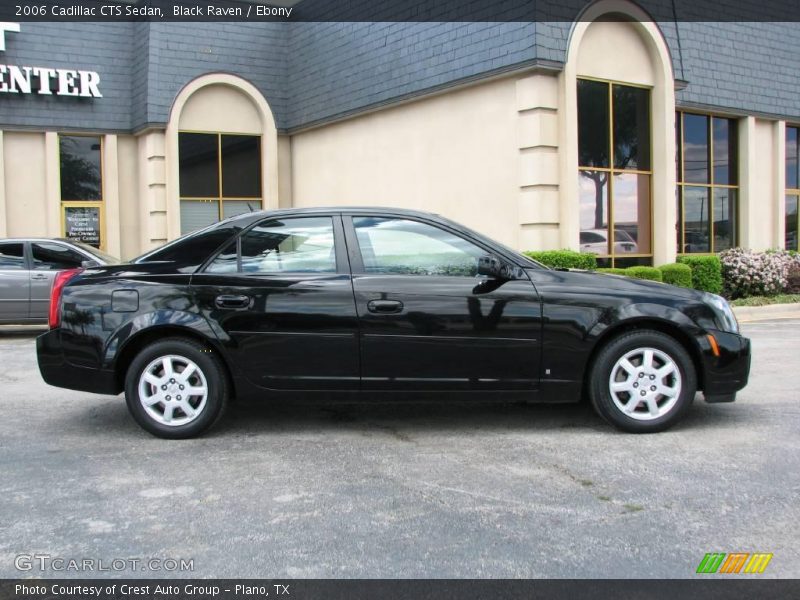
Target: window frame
<point x="219" y="198"/>
<point x="355" y="252"/>
<point x="787" y="191"/>
<point x="710" y="186"/>
<point x="339" y="250"/>
<point x="612" y="171"/>
<point x="99" y="204"/>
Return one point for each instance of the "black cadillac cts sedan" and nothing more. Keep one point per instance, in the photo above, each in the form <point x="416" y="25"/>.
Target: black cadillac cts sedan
<point x="379" y="301"/>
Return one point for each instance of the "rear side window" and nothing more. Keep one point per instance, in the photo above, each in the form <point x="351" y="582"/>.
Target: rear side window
<point x="55" y="257"/>
<point x="192" y="251"/>
<point x="296" y="245"/>
<point x="12" y="256"/>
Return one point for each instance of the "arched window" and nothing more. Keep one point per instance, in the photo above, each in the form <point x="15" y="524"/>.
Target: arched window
<point x="221" y="151"/>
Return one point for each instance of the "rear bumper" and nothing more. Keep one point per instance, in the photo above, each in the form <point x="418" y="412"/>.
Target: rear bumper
<point x="58" y="372"/>
<point x="726" y="374"/>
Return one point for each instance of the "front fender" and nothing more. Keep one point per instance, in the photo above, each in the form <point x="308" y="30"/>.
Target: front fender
<point x="641" y="311"/>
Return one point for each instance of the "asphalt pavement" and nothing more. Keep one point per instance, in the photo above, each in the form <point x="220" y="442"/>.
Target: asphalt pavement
<point x="399" y="490"/>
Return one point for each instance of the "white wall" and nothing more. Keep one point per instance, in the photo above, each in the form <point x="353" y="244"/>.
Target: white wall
<point x="455" y="154"/>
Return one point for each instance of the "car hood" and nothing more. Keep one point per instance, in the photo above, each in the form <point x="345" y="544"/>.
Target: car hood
<point x="592" y="281"/>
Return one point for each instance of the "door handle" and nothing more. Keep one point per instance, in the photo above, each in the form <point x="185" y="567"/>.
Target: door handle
<point x="384" y="306"/>
<point x="232" y="301"/>
<point x="38" y="276"/>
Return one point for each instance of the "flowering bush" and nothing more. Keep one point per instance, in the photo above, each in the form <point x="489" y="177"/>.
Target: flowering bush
<point x="747" y="273"/>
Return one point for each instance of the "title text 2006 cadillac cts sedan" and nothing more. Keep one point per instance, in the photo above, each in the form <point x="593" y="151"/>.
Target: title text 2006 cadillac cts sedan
<point x="377" y="300"/>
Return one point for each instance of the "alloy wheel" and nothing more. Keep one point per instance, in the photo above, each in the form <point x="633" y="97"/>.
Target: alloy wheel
<point x="173" y="390"/>
<point x="645" y="384"/>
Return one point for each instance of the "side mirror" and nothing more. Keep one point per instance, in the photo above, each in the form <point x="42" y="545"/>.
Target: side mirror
<point x="493" y="267"/>
<point x="89" y="264"/>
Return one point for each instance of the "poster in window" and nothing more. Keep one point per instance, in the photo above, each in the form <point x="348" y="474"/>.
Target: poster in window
<point x="82" y="223"/>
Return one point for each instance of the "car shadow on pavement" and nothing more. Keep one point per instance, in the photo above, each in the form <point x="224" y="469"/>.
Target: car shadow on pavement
<point x="401" y="419"/>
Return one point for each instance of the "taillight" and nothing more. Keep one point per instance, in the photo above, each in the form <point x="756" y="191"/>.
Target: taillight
<point x="62" y="278"/>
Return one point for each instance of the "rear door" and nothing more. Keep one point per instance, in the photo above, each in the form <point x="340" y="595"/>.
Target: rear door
<point x="14" y="282"/>
<point x="47" y="259"/>
<point x="283" y="295"/>
<point x="428" y="321"/>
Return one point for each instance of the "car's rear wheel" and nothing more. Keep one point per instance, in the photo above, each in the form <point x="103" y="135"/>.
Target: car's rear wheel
<point x="642" y="382"/>
<point x="176" y="388"/>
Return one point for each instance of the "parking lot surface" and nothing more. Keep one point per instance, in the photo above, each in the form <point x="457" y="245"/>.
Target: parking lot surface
<point x="403" y="489"/>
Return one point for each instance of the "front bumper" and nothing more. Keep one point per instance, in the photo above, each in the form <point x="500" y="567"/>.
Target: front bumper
<point x="726" y="374"/>
<point x="57" y="371"/>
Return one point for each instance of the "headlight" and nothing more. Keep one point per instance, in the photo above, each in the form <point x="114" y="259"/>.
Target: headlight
<point x="723" y="311"/>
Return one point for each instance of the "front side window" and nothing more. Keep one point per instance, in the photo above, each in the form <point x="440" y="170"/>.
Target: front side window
<point x="220" y="177"/>
<point x="614" y="172"/>
<point x="81" y="178"/>
<point x="406" y="247"/>
<point x="792" y="188"/>
<point x="707" y="174"/>
<point x="55" y="257"/>
<point x="295" y="245"/>
<point x="12" y="256"/>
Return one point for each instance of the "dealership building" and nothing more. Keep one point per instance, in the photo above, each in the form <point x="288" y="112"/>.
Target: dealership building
<point x="636" y="137"/>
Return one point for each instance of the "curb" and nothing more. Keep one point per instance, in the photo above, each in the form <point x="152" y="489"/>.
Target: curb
<point x="746" y="314"/>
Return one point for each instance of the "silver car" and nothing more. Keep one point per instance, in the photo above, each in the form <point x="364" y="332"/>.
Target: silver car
<point x="27" y="269"/>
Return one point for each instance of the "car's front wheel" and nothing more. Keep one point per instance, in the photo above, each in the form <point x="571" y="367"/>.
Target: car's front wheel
<point x="176" y="388"/>
<point x="642" y="382"/>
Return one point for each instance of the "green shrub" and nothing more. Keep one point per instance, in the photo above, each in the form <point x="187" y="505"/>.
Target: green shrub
<point x="650" y="273"/>
<point x="706" y="272"/>
<point x="564" y="259"/>
<point x="612" y="271"/>
<point x="676" y="274"/>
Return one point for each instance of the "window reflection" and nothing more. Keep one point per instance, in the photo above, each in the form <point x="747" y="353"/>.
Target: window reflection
<point x="792" y="157"/>
<point x="80" y="167"/>
<point x="724" y="218"/>
<point x="697" y="229"/>
<point x="791" y="223"/>
<point x="614" y="171"/>
<point x="631" y="128"/>
<point x="707" y="160"/>
<point x="695" y="148"/>
<point x="220" y="177"/>
<point x="593" y="198"/>
<point x="724" y="151"/>
<point x="593" y="115"/>
<point x="632" y="214"/>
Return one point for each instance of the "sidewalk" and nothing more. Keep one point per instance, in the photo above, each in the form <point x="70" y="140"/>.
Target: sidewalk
<point x="747" y="314"/>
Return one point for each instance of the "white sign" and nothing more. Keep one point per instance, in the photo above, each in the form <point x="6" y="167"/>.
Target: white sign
<point x="44" y="80"/>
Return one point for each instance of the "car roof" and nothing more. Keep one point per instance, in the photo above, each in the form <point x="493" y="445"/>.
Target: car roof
<point x="385" y="210"/>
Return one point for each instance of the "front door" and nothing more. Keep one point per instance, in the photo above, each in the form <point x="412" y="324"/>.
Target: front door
<point x="282" y="292"/>
<point x="428" y="322"/>
<point x="15" y="287"/>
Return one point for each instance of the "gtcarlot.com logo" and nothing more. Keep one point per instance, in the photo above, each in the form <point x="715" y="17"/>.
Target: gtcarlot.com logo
<point x="734" y="562"/>
<point x="46" y="562"/>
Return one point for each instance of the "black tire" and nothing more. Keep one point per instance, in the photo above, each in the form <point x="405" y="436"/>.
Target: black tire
<point x="211" y="369"/>
<point x="600" y="380"/>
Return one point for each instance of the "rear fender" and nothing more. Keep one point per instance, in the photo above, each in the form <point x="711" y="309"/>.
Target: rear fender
<point x="167" y="320"/>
